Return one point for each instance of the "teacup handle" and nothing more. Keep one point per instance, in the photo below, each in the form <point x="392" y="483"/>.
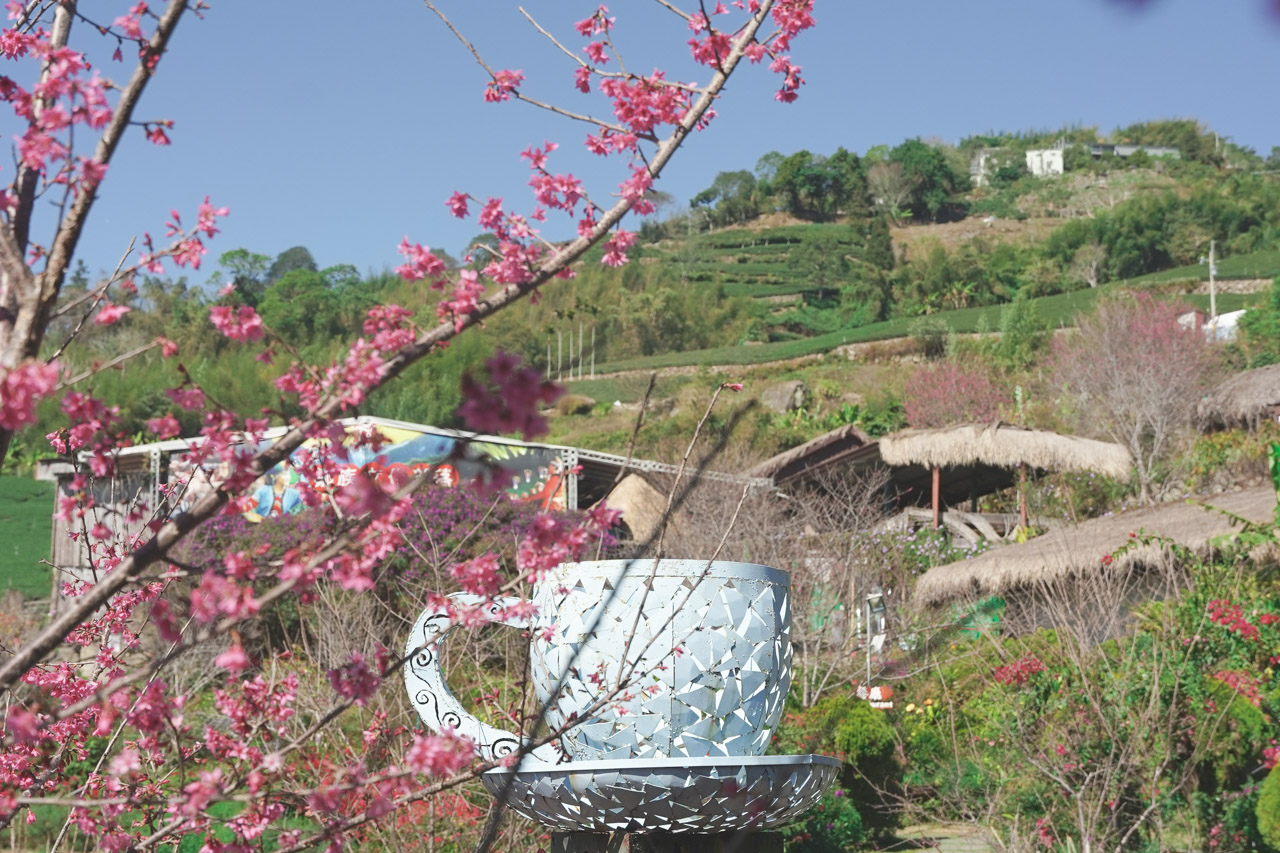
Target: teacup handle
<point x="430" y="694"/>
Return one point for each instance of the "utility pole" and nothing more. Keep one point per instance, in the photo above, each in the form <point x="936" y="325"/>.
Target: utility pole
<point x="1213" y="271"/>
<point x="579" y="349"/>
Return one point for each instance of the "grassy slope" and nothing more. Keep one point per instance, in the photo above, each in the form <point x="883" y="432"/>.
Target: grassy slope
<point x="1253" y="265"/>
<point x="1058" y="310"/>
<point x="26" y="510"/>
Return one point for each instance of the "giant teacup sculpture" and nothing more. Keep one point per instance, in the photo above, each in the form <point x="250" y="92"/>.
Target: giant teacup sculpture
<point x="666" y="677"/>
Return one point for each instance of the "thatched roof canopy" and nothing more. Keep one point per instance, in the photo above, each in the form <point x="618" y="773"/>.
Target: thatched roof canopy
<point x="849" y="452"/>
<point x="1079" y="549"/>
<point x="843" y="444"/>
<point x="1244" y="399"/>
<point x="1003" y="445"/>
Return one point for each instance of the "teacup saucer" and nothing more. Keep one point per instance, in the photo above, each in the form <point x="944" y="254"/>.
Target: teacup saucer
<point x="703" y="795"/>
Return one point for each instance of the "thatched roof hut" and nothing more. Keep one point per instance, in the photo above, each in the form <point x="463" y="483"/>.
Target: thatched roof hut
<point x="1080" y="549"/>
<point x="842" y="444"/>
<point x="642" y="504"/>
<point x="1244" y="400"/>
<point x="1000" y="445"/>
<point x="1004" y="445"/>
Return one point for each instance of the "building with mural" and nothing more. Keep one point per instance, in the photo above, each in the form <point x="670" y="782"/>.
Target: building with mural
<point x="170" y="476"/>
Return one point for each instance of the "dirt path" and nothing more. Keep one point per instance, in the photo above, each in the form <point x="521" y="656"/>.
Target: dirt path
<point x="947" y="838"/>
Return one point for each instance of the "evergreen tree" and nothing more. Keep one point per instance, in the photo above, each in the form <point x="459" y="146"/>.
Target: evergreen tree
<point x="879" y="245"/>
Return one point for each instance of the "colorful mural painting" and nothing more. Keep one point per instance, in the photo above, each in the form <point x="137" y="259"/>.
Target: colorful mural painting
<point x="525" y="473"/>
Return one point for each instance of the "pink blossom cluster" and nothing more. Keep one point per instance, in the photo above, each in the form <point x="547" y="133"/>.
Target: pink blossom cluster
<point x="239" y="324"/>
<point x="642" y="106"/>
<point x="354" y="680"/>
<point x="480" y="576"/>
<point x="948" y="393"/>
<point x="439" y="755"/>
<point x="91" y="421"/>
<point x="553" y="540"/>
<point x="505" y="398"/>
<point x="64" y="97"/>
<point x="21" y="389"/>
<point x="187" y="249"/>
<point x="346" y="381"/>
<point x="503" y="85"/>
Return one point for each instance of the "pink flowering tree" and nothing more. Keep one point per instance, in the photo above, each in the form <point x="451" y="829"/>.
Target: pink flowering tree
<point x="948" y="393"/>
<point x="1138" y="373"/>
<point x="80" y="677"/>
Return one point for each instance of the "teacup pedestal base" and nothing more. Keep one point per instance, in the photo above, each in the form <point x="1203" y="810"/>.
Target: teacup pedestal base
<point x="702" y="796"/>
<point x="666" y="842"/>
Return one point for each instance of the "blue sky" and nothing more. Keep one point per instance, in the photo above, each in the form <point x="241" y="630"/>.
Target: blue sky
<point x="345" y="127"/>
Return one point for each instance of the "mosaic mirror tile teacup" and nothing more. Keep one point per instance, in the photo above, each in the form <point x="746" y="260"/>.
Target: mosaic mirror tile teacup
<point x="703" y="648"/>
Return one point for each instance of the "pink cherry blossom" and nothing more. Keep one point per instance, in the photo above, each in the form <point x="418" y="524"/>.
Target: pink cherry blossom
<point x="615" y="248"/>
<point x="502" y="85"/>
<point x="355" y="680"/>
<point x="506" y="400"/>
<point x="596" y="53"/>
<point x="188" y="398"/>
<point x="439" y="755"/>
<point x="458" y="205"/>
<point x="491" y="215"/>
<point x="164" y="427"/>
<point x="362" y="496"/>
<point x="20" y="390"/>
<point x="233" y="659"/>
<point x="419" y="261"/>
<point x="242" y="324"/>
<point x="481" y="575"/>
<point x="207" y="217"/>
<point x="109" y="314"/>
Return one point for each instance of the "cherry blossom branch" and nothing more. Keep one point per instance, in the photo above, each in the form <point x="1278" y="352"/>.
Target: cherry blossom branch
<point x="176" y="530"/>
<point x="98" y="294"/>
<point x="551" y="38"/>
<point x="109" y="363"/>
<point x="68" y="236"/>
<point x="672" y="7"/>
<point x="28" y="176"/>
<point x="560" y="111"/>
<point x="27" y="328"/>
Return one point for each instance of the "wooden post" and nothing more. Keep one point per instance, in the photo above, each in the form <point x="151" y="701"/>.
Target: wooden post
<point x="1022" y="495"/>
<point x="937" y="497"/>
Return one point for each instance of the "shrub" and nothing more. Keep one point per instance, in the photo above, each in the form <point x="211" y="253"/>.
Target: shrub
<point x="1023" y="333"/>
<point x="860" y="736"/>
<point x="832" y="826"/>
<point x="1268" y="810"/>
<point x="1260" y="329"/>
<point x="932" y="335"/>
<point x="574" y="404"/>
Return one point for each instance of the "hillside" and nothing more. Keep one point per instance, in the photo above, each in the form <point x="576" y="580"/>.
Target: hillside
<point x="807" y="257"/>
